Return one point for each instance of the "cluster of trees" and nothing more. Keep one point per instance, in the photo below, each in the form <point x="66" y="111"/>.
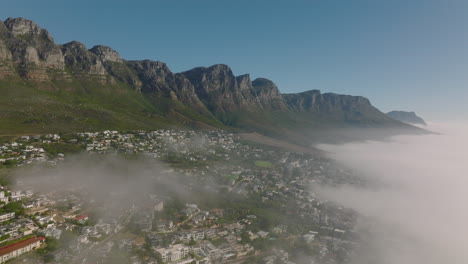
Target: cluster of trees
<point x="55" y="148"/>
<point x="13" y="207"/>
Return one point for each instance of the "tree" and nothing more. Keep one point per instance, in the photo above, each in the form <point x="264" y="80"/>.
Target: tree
<point x="14" y="207"/>
<point x="10" y="163"/>
<point x="192" y="242"/>
<point x="245" y="238"/>
<point x="158" y="258"/>
<point x="4" y="181"/>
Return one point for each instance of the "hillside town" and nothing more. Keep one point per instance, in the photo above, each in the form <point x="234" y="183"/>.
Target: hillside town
<point x="243" y="203"/>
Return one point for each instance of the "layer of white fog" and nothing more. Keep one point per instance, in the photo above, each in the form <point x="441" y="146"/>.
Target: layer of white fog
<point x="421" y="213"/>
<point x="114" y="183"/>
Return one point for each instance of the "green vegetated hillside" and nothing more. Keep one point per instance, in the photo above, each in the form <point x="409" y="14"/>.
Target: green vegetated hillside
<point x="25" y="109"/>
<point x="46" y="87"/>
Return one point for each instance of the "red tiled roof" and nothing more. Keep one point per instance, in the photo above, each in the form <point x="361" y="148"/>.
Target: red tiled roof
<point x="81" y="217"/>
<point x="10" y="248"/>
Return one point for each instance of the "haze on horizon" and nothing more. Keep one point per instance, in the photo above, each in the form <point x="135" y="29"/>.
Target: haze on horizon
<point x="402" y="55"/>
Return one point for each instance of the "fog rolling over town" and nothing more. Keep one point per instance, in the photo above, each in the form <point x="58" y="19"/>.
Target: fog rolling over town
<point x="417" y="214"/>
<point x="111" y="181"/>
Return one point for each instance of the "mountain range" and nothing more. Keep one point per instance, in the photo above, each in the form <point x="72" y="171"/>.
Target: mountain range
<point x="48" y="87"/>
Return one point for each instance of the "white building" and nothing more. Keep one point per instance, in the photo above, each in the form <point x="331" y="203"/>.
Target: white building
<point x="52" y="232"/>
<point x="309" y="237"/>
<point x="3" y="198"/>
<point x="159" y="205"/>
<point x="173" y="253"/>
<point x="6" y="217"/>
<point x="17" y="195"/>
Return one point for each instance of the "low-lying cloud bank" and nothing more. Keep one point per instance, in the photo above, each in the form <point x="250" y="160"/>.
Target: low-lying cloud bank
<point x="420" y="215"/>
<point x="113" y="182"/>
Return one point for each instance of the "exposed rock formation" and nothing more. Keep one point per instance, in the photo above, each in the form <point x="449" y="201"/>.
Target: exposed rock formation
<point x="407" y="117"/>
<point x="106" y="54"/>
<point x="21" y="27"/>
<point x="268" y="95"/>
<point x="32" y="49"/>
<point x="29" y="53"/>
<point x="315" y="101"/>
<point x="217" y="88"/>
<point x="81" y="62"/>
<point x="157" y="80"/>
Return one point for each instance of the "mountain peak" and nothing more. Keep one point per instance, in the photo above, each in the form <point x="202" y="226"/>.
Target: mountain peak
<point x="244" y="82"/>
<point x="243" y="76"/>
<point x="409" y="117"/>
<point x="21" y="26"/>
<point x="106" y="53"/>
<point x="219" y="67"/>
<point x="263" y="83"/>
<point x="311" y="92"/>
<point x="79" y="59"/>
<point x="150" y="68"/>
<point x="75" y="45"/>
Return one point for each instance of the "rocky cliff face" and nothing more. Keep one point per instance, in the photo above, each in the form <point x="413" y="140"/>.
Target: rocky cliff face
<point x="36" y="57"/>
<point x="222" y="91"/>
<point x="116" y="67"/>
<point x="29" y="53"/>
<point x="82" y="63"/>
<point x="315" y="101"/>
<point x="157" y="80"/>
<point x="32" y="49"/>
<point x="347" y="108"/>
<point x="6" y="65"/>
<point x="217" y="87"/>
<point x="407" y="117"/>
<point x="246" y="89"/>
<point x="22" y="27"/>
<point x="106" y="54"/>
<point x="268" y="95"/>
<point x="5" y="53"/>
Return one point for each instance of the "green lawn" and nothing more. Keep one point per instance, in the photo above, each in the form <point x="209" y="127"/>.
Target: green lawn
<point x="263" y="164"/>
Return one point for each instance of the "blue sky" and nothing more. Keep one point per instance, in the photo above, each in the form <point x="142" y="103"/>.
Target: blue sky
<point x="401" y="54"/>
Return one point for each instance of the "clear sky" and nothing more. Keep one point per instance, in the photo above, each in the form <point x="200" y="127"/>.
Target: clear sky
<point x="401" y="54"/>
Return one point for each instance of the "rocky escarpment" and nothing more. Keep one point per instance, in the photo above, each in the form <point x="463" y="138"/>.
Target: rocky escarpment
<point x="29" y="55"/>
<point x="330" y="105"/>
<point x="6" y="64"/>
<point x="268" y="95"/>
<point x="315" y="101"/>
<point x="106" y="54"/>
<point x="222" y="91"/>
<point x="116" y="66"/>
<point x="157" y="80"/>
<point x="407" y="117"/>
<point x="82" y="63"/>
<point x="217" y="88"/>
<point x="31" y="49"/>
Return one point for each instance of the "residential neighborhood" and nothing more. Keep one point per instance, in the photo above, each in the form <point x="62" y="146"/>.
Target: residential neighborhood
<point x="244" y="203"/>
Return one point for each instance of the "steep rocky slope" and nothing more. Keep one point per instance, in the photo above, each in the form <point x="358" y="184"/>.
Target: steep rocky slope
<point x="407" y="117"/>
<point x="47" y="86"/>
